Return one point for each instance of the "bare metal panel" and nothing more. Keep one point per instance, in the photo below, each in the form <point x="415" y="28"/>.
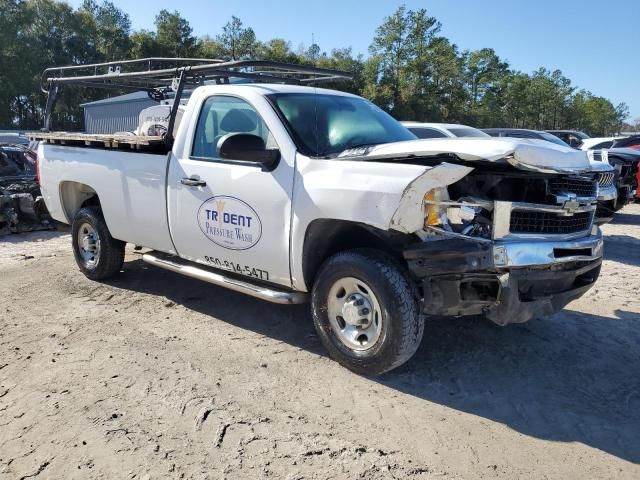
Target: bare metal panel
<point x="114" y="117"/>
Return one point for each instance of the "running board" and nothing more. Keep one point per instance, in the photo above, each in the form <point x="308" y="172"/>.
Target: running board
<point x="200" y="273"/>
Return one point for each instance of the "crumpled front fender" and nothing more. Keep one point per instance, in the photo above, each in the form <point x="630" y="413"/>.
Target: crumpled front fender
<point x="409" y="216"/>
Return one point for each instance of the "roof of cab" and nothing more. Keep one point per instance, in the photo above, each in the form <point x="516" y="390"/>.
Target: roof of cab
<point x="271" y="88"/>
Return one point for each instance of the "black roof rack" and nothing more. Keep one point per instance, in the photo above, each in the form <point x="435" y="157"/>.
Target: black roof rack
<point x="161" y="77"/>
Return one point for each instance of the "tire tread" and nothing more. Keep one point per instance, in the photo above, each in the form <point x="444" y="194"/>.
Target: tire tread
<point x="111" y="250"/>
<point x="405" y="298"/>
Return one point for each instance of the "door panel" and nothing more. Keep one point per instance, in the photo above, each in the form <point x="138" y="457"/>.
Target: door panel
<point x="231" y="215"/>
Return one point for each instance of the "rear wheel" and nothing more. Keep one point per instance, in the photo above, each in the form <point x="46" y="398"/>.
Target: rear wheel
<point x="366" y="312"/>
<point x="97" y="253"/>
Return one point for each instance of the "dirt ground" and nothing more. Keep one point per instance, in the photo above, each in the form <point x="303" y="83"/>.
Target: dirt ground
<point x="152" y="375"/>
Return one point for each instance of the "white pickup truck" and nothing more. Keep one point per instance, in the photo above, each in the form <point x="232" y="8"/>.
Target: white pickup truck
<point x="294" y="193"/>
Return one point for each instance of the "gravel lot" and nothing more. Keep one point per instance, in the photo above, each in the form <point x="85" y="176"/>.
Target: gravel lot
<point x="157" y="376"/>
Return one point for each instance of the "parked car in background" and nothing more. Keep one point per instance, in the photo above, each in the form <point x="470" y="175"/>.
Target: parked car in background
<point x="598" y="143"/>
<point x="443" y="130"/>
<point x="524" y="133"/>
<point x="22" y="208"/>
<point x="573" y="138"/>
<point x="605" y="173"/>
<point x="626" y="161"/>
<point x="632" y="141"/>
<point x="13" y="138"/>
<point x="17" y="160"/>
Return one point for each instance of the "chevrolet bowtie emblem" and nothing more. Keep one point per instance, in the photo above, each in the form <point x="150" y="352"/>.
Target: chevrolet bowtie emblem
<point x="571" y="205"/>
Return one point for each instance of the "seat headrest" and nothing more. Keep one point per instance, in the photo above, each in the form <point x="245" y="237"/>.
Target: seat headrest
<point x="239" y="120"/>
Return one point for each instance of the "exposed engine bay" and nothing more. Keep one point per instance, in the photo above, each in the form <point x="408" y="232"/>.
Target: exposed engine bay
<point x="505" y="203"/>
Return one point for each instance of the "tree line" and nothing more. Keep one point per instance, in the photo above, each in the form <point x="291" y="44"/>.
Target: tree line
<point x="411" y="70"/>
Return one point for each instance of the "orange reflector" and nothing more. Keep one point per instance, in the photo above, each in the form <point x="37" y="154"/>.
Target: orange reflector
<point x="432" y="211"/>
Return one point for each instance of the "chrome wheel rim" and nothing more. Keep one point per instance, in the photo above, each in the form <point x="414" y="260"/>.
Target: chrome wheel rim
<point x="88" y="245"/>
<point x="354" y="313"/>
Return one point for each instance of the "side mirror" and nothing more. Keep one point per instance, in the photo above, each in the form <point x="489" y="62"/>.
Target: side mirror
<point x="247" y="148"/>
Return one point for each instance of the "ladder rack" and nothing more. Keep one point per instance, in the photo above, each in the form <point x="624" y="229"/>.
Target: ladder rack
<point x="163" y="77"/>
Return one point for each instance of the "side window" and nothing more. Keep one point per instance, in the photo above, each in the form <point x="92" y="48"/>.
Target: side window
<point x="427" y="133"/>
<point x="518" y="135"/>
<point x="221" y="115"/>
<point x="572" y="140"/>
<point x="602" y="145"/>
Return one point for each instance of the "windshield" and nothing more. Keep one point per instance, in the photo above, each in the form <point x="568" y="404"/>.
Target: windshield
<point x="553" y="139"/>
<point x="324" y="124"/>
<point x="467" y="132"/>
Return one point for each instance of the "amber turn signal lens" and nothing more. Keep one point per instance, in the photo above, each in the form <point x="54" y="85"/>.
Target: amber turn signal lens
<point x="432" y="216"/>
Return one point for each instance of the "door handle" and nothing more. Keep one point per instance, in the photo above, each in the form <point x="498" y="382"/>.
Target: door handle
<point x="193" y="182"/>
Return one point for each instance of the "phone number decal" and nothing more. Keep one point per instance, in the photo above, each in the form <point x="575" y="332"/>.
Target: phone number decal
<point x="237" y="268"/>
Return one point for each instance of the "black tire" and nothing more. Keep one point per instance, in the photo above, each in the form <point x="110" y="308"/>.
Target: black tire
<point x="109" y="257"/>
<point x="402" y="324"/>
<point x="619" y="203"/>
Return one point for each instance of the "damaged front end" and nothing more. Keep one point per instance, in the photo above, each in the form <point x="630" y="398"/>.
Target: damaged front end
<point x="507" y="243"/>
<point x="22" y="208"/>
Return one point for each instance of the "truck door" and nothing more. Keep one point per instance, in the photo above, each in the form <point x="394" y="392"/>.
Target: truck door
<point x="227" y="214"/>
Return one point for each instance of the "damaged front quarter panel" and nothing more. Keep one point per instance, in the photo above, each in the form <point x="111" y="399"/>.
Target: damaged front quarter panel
<point x="409" y="217"/>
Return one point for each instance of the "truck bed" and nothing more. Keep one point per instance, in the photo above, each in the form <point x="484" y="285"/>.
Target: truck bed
<point x="117" y="141"/>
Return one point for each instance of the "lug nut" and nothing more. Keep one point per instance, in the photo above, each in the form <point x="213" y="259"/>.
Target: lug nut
<point x="364" y="311"/>
<point x="360" y="302"/>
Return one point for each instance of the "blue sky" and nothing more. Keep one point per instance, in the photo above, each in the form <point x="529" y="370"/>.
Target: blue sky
<point x="594" y="43"/>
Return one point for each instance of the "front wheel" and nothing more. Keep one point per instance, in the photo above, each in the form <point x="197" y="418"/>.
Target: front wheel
<point x="365" y="311"/>
<point x="97" y="253"/>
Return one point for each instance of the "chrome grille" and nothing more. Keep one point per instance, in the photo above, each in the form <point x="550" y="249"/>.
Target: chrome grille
<point x="580" y="186"/>
<point x="529" y="221"/>
<point x="605" y="179"/>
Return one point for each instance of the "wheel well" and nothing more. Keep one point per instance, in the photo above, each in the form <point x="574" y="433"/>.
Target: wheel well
<point x="325" y="238"/>
<point x="75" y="196"/>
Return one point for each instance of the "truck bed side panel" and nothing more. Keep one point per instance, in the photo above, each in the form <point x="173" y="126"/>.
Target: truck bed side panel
<point x="130" y="186"/>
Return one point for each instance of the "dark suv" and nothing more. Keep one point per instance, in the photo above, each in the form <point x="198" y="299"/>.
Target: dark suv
<point x="573" y="138"/>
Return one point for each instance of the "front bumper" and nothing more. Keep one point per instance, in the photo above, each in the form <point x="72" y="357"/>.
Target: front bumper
<point x="606" y="194"/>
<point x="508" y="281"/>
<point x="607" y="197"/>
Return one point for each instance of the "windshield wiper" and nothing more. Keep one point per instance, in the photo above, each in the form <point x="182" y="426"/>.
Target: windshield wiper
<point x="360" y="149"/>
<point x="357" y="146"/>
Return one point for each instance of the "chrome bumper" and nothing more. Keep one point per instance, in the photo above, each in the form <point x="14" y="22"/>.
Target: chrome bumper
<point x="518" y="253"/>
<point x="508" y="281"/>
<point x="606" y="194"/>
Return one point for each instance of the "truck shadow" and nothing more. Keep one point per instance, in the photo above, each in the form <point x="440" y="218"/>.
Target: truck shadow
<point x="573" y="377"/>
<point x="622" y="249"/>
<point x="289" y="323"/>
<point x="33" y="236"/>
<point x="621" y="218"/>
